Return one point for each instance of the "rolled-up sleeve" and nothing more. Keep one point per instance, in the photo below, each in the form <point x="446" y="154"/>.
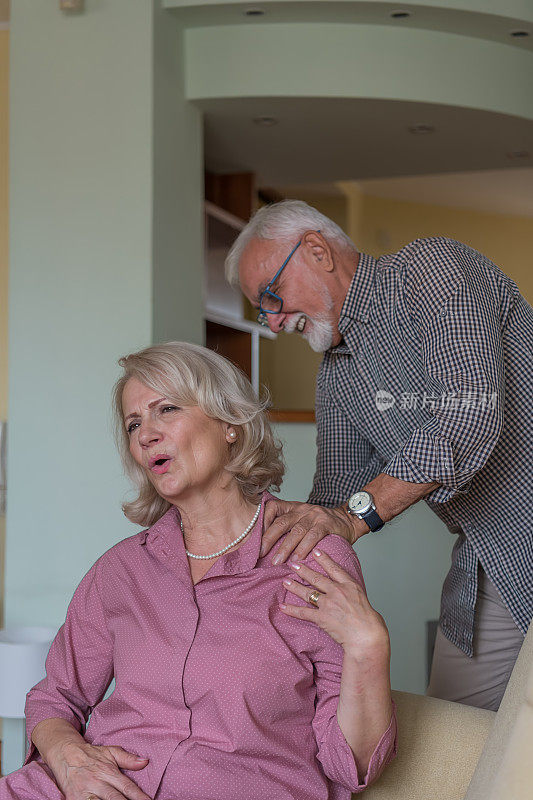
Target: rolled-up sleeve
<point x="334" y="752"/>
<point x="79" y="666"/>
<point x="463" y="362"/>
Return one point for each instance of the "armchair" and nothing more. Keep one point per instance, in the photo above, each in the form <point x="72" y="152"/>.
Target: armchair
<point x="449" y="751"/>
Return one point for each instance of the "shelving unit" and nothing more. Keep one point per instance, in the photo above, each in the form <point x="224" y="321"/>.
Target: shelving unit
<point x="226" y="329"/>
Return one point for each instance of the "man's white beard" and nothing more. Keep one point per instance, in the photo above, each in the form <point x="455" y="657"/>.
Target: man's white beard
<point x="320" y="335"/>
<point x="318" y="331"/>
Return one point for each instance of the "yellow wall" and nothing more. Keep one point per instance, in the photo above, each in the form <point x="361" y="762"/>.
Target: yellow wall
<point x="387" y="225"/>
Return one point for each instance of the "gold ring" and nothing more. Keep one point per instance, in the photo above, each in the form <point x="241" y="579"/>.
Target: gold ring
<point x="314" y="597"/>
<point x="92" y="797"/>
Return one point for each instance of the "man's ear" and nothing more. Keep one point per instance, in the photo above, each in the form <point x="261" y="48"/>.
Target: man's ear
<point x="319" y="250"/>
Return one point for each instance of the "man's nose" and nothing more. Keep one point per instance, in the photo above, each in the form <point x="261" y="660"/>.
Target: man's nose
<point x="276" y="322"/>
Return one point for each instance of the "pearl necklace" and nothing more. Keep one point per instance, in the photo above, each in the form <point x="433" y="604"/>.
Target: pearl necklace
<point x="231" y="544"/>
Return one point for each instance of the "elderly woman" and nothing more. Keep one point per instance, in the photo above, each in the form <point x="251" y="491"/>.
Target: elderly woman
<point x="234" y="677"/>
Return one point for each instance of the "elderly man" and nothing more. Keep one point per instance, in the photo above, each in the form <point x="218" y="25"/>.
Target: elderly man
<point x="424" y="391"/>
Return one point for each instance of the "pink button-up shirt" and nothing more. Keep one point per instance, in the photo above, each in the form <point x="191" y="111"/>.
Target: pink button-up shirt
<point x="225" y="694"/>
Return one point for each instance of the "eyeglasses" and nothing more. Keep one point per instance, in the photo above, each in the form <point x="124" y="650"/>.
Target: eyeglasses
<point x="269" y="302"/>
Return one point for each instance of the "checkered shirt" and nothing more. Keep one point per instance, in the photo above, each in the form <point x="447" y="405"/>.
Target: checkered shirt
<point x="433" y="381"/>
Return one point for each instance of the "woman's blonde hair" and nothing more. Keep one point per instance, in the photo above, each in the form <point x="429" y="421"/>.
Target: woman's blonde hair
<point x="190" y="375"/>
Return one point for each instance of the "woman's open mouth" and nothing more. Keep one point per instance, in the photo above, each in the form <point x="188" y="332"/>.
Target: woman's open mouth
<point x="159" y="464"/>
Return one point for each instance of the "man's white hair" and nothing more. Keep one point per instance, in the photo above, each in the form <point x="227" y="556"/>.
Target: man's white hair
<point x="287" y="220"/>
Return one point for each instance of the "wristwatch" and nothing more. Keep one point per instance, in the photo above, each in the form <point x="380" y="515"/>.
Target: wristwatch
<point x="361" y="504"/>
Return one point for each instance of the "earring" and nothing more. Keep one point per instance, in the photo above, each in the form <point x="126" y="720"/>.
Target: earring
<point x="232" y="434"/>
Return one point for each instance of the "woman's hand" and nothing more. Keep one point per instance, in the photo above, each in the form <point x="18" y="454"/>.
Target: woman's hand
<point x="343" y="611"/>
<point x="82" y="770"/>
<point x="364" y="709"/>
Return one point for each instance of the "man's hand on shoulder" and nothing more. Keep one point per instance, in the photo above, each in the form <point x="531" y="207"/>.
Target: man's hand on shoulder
<point x="305" y="525"/>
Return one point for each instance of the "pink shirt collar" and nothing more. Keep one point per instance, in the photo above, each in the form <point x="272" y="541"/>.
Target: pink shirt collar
<point x="165" y="536"/>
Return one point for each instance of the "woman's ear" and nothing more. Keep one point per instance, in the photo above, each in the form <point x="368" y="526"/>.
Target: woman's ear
<point x="231" y="434"/>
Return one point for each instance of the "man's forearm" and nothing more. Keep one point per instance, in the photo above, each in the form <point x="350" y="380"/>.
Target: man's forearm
<point x="391" y="496"/>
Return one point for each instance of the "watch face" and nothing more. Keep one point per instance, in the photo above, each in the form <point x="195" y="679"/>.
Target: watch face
<point x="360" y="502"/>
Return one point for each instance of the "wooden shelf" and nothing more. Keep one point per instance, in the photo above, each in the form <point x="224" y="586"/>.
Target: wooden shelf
<point x="291" y="415"/>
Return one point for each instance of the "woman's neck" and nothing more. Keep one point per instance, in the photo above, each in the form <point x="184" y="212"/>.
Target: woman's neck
<point x="212" y="521"/>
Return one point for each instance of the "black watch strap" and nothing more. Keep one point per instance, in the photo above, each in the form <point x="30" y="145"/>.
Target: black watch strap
<point x="373" y="520"/>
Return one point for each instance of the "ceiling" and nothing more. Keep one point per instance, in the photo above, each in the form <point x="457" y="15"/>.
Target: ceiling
<point x="467" y="161"/>
<point x="324" y="140"/>
<point x="321" y="141"/>
<point x="481" y="20"/>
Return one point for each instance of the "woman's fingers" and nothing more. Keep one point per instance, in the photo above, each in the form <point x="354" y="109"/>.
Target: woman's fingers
<point x="316" y="579"/>
<point x="337" y="575"/>
<point x="99" y="774"/>
<point x="342" y="610"/>
<point x="301" y="612"/>
<point x="130" y="790"/>
<point x="105" y="787"/>
<point x="127" y="789"/>
<point x="127" y="760"/>
<point x="334" y="570"/>
<point x="298" y="589"/>
<point x="107" y="792"/>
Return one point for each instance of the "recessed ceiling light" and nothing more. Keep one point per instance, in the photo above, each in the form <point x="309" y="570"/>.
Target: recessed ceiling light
<point x="400" y="14"/>
<point x="421" y="129"/>
<point x="254" y="12"/>
<point x="519" y="34"/>
<point x="266" y="122"/>
<point x="516" y="155"/>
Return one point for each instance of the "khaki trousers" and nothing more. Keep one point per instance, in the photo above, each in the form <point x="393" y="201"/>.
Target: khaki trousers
<point x="481" y="680"/>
